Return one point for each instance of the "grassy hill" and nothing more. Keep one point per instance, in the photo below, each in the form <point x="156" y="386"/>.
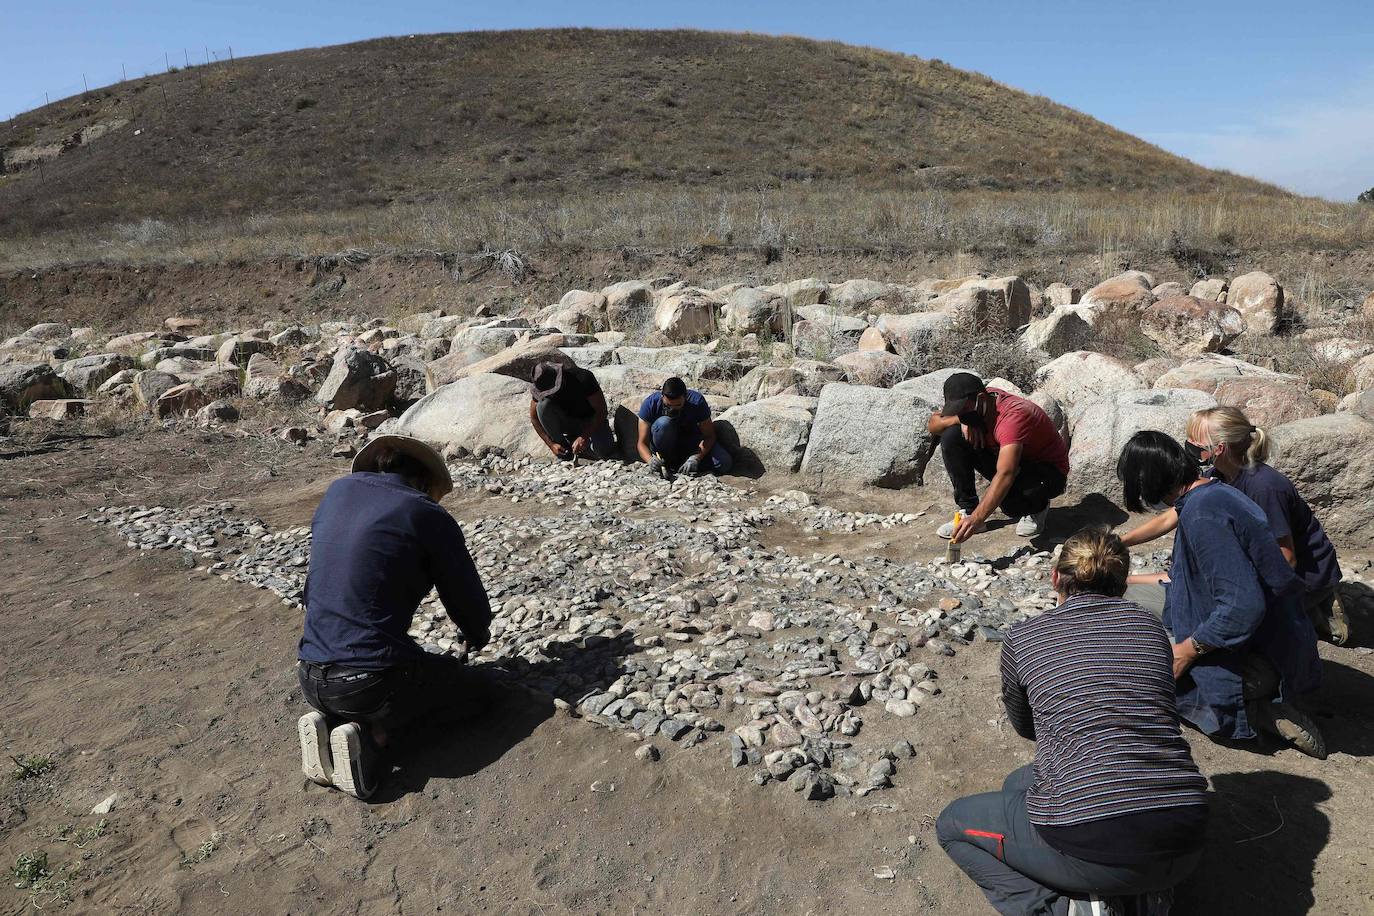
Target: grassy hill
<point x="561" y="112"/>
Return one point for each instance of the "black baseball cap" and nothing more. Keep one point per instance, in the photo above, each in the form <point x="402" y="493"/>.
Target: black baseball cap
<point x="959" y="387"/>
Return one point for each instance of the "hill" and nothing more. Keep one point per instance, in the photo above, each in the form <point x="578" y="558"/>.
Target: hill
<point x="458" y="116"/>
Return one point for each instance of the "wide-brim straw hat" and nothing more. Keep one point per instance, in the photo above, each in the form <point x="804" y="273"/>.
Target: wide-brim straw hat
<point x="441" y="482"/>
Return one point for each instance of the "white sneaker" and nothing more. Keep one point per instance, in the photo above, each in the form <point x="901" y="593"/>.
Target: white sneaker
<point x="316" y="762"/>
<point x="1032" y="525"/>
<point x="946" y="530"/>
<point x="355" y="761"/>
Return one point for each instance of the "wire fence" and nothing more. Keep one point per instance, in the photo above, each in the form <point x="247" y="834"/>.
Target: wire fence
<point x="104" y="76"/>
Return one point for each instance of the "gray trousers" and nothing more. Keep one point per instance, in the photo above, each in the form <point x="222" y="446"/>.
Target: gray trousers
<point x="565" y="429"/>
<point x="991" y="838"/>
<point x="1150" y="597"/>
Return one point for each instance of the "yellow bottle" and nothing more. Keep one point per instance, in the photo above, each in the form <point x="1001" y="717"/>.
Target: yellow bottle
<point x="954" y="551"/>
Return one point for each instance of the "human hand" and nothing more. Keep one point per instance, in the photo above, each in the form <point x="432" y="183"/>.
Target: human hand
<point x="579" y="445"/>
<point x="1184" y="656"/>
<point x="968" y="526"/>
<point x="692" y="466"/>
<point x="558" y="448"/>
<point x="656" y="465"/>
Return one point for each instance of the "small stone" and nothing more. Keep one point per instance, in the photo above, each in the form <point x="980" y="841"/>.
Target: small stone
<point x="106" y="805"/>
<point x="647" y="752"/>
<point x="884" y="873"/>
<point x="904" y="709"/>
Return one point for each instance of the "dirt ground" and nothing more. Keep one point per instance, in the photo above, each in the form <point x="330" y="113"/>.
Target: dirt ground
<point x="140" y="676"/>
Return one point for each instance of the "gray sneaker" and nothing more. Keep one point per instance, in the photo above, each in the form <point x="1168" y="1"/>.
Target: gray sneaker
<point x="1031" y="526"/>
<point x="355" y="761"/>
<point x="316" y="762"/>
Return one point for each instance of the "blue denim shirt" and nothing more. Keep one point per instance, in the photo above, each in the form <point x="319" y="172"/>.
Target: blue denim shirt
<point x="1232" y="589"/>
<point x="377" y="547"/>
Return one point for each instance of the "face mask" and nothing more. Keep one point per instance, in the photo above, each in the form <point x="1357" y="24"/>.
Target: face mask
<point x="972" y="419"/>
<point x="1195" y="452"/>
<point x="673" y="411"/>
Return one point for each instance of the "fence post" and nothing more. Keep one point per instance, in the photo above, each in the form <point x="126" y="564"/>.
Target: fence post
<point x="167" y="59"/>
<point x="84" y="83"/>
<point x="186" y="54"/>
<point x="123" y="73"/>
<point x="231" y="54"/>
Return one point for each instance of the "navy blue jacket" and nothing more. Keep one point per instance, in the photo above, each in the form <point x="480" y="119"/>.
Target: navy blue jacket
<point x="377" y="547"/>
<point x="1232" y="589"/>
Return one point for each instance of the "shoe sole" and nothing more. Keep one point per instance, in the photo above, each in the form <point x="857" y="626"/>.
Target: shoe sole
<point x="346" y="743"/>
<point x="1299" y="730"/>
<point x="315" y="758"/>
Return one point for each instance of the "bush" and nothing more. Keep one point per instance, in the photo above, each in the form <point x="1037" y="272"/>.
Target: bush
<point x="1366" y="197"/>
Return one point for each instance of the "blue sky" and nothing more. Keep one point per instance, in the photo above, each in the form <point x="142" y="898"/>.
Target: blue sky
<point x="1277" y="89"/>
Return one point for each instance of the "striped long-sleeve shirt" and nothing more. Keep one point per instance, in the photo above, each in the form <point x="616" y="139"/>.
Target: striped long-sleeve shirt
<point x="1091" y="682"/>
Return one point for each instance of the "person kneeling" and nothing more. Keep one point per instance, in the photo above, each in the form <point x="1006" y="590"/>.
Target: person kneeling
<point x="676" y="432"/>
<point x="568" y="412"/>
<point x="379" y="542"/>
<point x="1113" y="805"/>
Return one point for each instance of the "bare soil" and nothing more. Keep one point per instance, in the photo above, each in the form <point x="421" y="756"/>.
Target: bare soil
<point x="140" y="676"/>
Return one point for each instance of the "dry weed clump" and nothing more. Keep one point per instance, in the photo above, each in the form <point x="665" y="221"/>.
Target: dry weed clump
<point x="991" y="356"/>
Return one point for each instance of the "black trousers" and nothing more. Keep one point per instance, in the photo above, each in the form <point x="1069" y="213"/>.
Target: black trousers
<point x="1036" y="483"/>
<point x="437" y="688"/>
<point x="991" y="838"/>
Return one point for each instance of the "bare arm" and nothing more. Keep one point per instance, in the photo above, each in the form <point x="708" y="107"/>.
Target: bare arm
<point x="1156" y="527"/>
<point x="938" y="424"/>
<point x="1289" y="551"/>
<point x="646" y="450"/>
<point x="708" y="439"/>
<point x="539" y="428"/>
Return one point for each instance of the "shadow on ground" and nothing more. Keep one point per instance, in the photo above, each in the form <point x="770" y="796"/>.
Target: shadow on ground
<point x="1265" y="834"/>
<point x="511" y="715"/>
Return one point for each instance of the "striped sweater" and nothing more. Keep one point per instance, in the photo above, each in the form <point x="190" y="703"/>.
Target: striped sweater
<point x="1091" y="682"/>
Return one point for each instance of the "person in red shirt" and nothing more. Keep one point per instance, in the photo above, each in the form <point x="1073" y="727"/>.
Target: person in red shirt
<point x="1010" y="442"/>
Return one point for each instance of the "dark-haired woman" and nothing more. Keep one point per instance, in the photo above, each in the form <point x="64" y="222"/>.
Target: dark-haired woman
<point x="1113" y="804"/>
<point x="1243" y="647"/>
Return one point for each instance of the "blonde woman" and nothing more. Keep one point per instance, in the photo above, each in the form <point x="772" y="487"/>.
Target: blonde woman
<point x="1113" y="804"/>
<point x="1227" y="446"/>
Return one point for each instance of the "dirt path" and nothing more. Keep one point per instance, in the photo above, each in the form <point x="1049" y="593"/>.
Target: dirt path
<point x="140" y="676"/>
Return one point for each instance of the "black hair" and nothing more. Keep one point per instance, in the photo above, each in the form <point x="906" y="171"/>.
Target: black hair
<point x="1152" y="465"/>
<point x="673" y="387"/>
<point x="391" y="461"/>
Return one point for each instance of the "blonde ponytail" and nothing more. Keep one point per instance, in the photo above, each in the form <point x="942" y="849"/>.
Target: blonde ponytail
<point x="1229" y="426"/>
<point x="1093" y="560"/>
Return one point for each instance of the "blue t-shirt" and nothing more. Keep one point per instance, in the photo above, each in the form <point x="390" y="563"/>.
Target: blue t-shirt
<point x="1289" y="514"/>
<point x="695" y="410"/>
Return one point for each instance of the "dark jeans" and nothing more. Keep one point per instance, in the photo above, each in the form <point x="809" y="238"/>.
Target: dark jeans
<point x="1035" y="485"/>
<point x="675" y="445"/>
<point x="991" y="838"/>
<point x="564" y="429"/>
<point x="438" y="688"/>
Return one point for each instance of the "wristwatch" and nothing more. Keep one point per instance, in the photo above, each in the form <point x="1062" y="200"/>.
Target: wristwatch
<point x="1201" y="648"/>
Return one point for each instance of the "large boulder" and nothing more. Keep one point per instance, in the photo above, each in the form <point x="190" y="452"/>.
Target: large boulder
<point x="1259" y="299"/>
<point x="445" y="370"/>
<point x="1362" y="374"/>
<point x="1100" y="429"/>
<point x="264" y="378"/>
<point x="827" y="336"/>
<point x="358" y="379"/>
<point x="804" y="377"/>
<point x="866" y="436"/>
<point x="578" y="312"/>
<point x="770" y="434"/>
<point x="483" y="411"/>
<point x="1057" y="294"/>
<point x="931" y="386"/>
<point x="1008" y="308"/>
<point x="1209" y="370"/>
<point x="236" y="350"/>
<point x="1110" y="309"/>
<point x="59" y="409"/>
<point x="519" y="361"/>
<point x="1151" y="369"/>
<point x="1129" y="293"/>
<point x="1331" y="461"/>
<point x="494" y="337"/>
<point x="750" y="310"/>
<point x="86" y="374"/>
<point x="1083" y="376"/>
<point x="1268" y="402"/>
<point x="23" y="383"/>
<point x="1213" y="288"/>
<point x="910" y="334"/>
<point x="873" y="367"/>
<point x="856" y="295"/>
<point x="629" y="305"/>
<point x="1186" y="324"/>
<point x="690" y="362"/>
<point x="49" y="332"/>
<point x="800" y="293"/>
<point x="180" y="400"/>
<point x="1063" y="330"/>
<point x="685" y="316"/>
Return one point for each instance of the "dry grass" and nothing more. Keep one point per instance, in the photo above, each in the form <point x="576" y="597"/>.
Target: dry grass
<point x="814" y="218"/>
<point x="550" y="114"/>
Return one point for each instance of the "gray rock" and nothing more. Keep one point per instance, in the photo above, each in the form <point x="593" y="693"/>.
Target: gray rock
<point x="24" y="383"/>
<point x="358" y="379"/>
<point x="770" y="434"/>
<point x="865" y="435"/>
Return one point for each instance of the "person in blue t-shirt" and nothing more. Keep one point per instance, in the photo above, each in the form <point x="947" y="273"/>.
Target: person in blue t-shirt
<point x="676" y="432"/>
<point x="1227" y="446"/>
